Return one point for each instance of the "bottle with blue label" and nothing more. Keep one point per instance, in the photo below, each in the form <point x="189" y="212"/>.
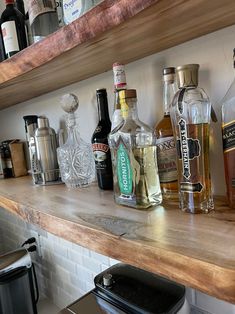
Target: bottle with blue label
<point x="73" y="9"/>
<point x="133" y="151"/>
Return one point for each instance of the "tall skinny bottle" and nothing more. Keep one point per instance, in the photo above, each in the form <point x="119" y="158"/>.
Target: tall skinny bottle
<point x="100" y="144"/>
<point x="133" y="149"/>
<point x="119" y="77"/>
<point x="190" y="115"/>
<point x="166" y="149"/>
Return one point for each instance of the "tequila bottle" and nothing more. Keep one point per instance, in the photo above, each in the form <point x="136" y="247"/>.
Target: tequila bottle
<point x="190" y="115"/>
<point x="133" y="150"/>
<point x="166" y="149"/>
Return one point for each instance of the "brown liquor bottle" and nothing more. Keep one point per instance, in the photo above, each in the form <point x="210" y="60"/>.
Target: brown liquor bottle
<point x="166" y="149"/>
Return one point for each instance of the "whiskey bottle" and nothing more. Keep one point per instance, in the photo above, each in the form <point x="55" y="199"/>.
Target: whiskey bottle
<point x="166" y="149"/>
<point x="228" y="133"/>
<point x="190" y="115"/>
<point x="102" y="155"/>
<point x="119" y="84"/>
<point x="133" y="150"/>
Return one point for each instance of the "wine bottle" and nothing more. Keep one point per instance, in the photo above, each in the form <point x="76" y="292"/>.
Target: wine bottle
<point x="13" y="29"/>
<point x="100" y="145"/>
<point x="43" y="18"/>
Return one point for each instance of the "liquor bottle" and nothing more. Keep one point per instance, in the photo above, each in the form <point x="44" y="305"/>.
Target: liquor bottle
<point x="75" y="156"/>
<point x="119" y="84"/>
<point x="133" y="150"/>
<point x="190" y="116"/>
<point x="166" y="149"/>
<point x="100" y="145"/>
<point x="43" y="18"/>
<point x="73" y="10"/>
<point x="228" y="132"/>
<point x="13" y="29"/>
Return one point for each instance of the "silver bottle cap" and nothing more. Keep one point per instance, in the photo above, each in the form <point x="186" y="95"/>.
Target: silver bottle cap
<point x="187" y="75"/>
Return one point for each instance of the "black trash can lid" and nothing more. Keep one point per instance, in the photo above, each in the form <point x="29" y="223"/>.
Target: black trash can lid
<point x="137" y="291"/>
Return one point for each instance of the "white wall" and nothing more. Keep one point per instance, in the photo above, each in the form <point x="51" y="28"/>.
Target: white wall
<point x="214" y="54"/>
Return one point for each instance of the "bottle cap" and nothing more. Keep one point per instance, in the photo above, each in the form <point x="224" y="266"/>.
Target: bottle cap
<point x="101" y="91"/>
<point x="30" y="119"/>
<point x="119" y="75"/>
<point x="43" y="122"/>
<point x="169" y="74"/>
<point x="9" y="1"/>
<point x="127" y="93"/>
<point x="169" y="70"/>
<point x="187" y="75"/>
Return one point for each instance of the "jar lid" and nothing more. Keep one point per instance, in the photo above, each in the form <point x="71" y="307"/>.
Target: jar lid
<point x="187" y="75"/>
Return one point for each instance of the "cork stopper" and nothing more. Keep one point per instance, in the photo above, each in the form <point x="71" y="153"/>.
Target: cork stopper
<point x="128" y="93"/>
<point x="187" y="75"/>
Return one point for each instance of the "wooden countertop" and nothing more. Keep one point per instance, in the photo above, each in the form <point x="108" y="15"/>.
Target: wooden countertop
<point x="195" y="250"/>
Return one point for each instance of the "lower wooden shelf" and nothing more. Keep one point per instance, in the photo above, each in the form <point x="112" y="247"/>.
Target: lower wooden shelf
<point x="195" y="250"/>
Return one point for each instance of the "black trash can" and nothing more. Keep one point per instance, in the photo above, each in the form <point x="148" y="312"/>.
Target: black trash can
<point x="17" y="294"/>
<point x="126" y="289"/>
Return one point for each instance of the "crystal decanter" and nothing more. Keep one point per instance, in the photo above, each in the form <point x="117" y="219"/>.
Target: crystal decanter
<point x="75" y="156"/>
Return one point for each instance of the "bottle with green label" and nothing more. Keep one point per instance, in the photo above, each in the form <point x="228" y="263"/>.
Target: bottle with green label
<point x="133" y="150"/>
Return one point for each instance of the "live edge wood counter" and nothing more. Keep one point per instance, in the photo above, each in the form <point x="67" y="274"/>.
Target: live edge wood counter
<point x="195" y="250"/>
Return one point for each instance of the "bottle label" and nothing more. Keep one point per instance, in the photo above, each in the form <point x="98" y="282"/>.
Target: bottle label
<point x="124" y="109"/>
<point x="72" y="9"/>
<point x="10" y="36"/>
<point x="166" y="157"/>
<point x="101" y="152"/>
<point x="119" y="75"/>
<point x="124" y="171"/>
<point x="38" y="7"/>
<point x="228" y="133"/>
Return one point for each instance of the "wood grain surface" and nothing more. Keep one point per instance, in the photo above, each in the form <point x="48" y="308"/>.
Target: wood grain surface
<point x="195" y="250"/>
<point x="115" y="30"/>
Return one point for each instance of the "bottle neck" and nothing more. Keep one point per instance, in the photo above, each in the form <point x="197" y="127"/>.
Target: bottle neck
<point x="117" y="104"/>
<point x="103" y="110"/>
<point x="129" y="109"/>
<point x="169" y="90"/>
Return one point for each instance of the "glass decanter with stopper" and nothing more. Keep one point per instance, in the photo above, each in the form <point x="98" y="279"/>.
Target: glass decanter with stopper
<point x="228" y="133"/>
<point x="133" y="150"/>
<point x="190" y="116"/>
<point x="75" y="156"/>
<point x="166" y="149"/>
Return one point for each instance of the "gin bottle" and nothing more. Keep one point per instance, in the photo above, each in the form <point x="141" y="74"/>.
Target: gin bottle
<point x="228" y="132"/>
<point x="75" y="156"/>
<point x="166" y="149"/>
<point x="133" y="150"/>
<point x="190" y="115"/>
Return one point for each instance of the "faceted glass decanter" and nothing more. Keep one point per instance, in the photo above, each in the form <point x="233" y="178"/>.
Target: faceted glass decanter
<point x="75" y="156"/>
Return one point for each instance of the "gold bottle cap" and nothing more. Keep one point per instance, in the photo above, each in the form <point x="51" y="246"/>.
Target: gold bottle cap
<point x="127" y="93"/>
<point x="187" y="75"/>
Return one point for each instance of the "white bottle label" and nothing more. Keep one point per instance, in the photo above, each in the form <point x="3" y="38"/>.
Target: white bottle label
<point x="10" y="36"/>
<point x="72" y="9"/>
<point x="119" y="75"/>
<point x="38" y="7"/>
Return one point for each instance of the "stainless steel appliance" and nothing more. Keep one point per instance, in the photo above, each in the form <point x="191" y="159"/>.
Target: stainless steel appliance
<point x="124" y="289"/>
<point x="17" y="294"/>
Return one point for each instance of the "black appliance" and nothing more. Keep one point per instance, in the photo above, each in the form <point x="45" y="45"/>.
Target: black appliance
<point x="17" y="291"/>
<point x="123" y="289"/>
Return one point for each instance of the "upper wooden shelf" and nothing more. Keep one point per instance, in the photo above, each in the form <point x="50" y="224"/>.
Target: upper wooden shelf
<point x="195" y="250"/>
<point x="115" y="30"/>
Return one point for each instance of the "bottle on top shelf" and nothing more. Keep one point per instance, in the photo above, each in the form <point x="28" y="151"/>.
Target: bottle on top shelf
<point x="119" y="76"/>
<point x="166" y="149"/>
<point x="133" y="150"/>
<point x="100" y="144"/>
<point x="190" y="115"/>
<point x="73" y="11"/>
<point x="13" y="29"/>
<point x="228" y="133"/>
<point x="43" y="18"/>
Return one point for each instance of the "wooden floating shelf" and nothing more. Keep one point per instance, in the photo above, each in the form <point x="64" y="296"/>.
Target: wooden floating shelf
<point x="195" y="250"/>
<point x="115" y="30"/>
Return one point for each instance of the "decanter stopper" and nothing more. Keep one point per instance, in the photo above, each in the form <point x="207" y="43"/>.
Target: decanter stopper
<point x="75" y="157"/>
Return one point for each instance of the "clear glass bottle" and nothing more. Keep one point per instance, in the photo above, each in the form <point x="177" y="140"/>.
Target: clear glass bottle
<point x="228" y="132"/>
<point x="166" y="149"/>
<point x="75" y="157"/>
<point x="190" y="116"/>
<point x="133" y="150"/>
<point x="119" y="77"/>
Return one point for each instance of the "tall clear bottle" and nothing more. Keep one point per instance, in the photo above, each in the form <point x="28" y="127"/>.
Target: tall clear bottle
<point x="166" y="149"/>
<point x="119" y="77"/>
<point x="43" y="18"/>
<point x="190" y="115"/>
<point x="133" y="150"/>
<point x="228" y="132"/>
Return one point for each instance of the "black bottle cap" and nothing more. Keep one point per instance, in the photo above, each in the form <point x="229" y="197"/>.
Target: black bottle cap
<point x="30" y="119"/>
<point x="101" y="91"/>
<point x="170" y="70"/>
